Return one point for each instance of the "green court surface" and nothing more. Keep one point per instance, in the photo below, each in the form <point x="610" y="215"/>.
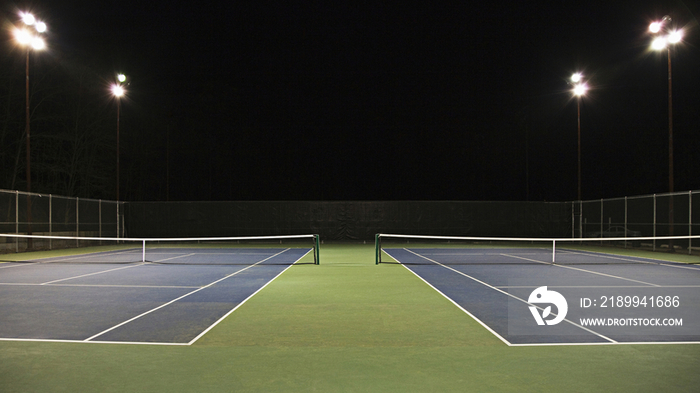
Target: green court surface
<point x="347" y="325"/>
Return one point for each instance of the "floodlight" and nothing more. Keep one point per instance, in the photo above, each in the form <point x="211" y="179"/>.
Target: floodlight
<point x="38" y="43"/>
<point x="117" y="90"/>
<point x="121" y="78"/>
<point x="580" y="89"/>
<point x="655" y="27"/>
<point x="659" y="43"/>
<point x="28" y="19"/>
<point x="675" y="36"/>
<point x="22" y="36"/>
<point x="40" y="27"/>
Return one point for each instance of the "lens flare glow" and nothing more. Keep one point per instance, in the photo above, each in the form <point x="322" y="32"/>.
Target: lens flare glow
<point x="655" y="27"/>
<point x="25" y="37"/>
<point x="580" y="89"/>
<point x="38" y="43"/>
<point x="121" y="78"/>
<point x="22" y="36"/>
<point x="28" y="19"/>
<point x="659" y="43"/>
<point x="40" y="27"/>
<point x="675" y="36"/>
<point x="117" y="90"/>
<point x="576" y="78"/>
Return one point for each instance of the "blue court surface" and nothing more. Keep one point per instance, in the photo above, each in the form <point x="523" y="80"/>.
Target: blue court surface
<point x="150" y="302"/>
<point x="585" y="298"/>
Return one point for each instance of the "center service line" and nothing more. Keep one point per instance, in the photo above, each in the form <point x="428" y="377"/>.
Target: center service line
<point x="89" y="274"/>
<point x="582" y="270"/>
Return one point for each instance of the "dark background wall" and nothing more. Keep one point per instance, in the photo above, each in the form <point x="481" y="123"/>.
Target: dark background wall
<point x="348" y="220"/>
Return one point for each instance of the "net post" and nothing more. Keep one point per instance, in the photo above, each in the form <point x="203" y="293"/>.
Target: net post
<point x="377" y="249"/>
<point x="317" y="249"/>
<point x="554" y="250"/>
<point x="143" y="251"/>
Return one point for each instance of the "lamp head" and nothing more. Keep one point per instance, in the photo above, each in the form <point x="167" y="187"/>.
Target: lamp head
<point x="580" y="89"/>
<point x="117" y="90"/>
<point x="27" y="18"/>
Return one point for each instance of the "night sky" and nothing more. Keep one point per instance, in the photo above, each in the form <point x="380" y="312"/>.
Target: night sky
<point x="359" y="100"/>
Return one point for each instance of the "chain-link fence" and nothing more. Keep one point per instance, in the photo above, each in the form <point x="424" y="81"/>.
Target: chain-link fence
<point x="656" y="215"/>
<point x="41" y="214"/>
<point x="668" y="214"/>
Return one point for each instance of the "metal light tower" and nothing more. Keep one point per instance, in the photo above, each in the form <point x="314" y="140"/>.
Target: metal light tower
<point x="118" y="92"/>
<point x="579" y="90"/>
<point x="29" y="36"/>
<point x="665" y="38"/>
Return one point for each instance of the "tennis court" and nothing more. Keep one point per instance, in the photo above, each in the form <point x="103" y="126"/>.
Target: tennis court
<point x="608" y="297"/>
<point x="344" y="325"/>
<point x="171" y="292"/>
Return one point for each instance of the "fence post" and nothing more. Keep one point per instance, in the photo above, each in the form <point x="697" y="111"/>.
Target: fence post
<point x="99" y="217"/>
<point x="602" y="218"/>
<point x="17" y="220"/>
<point x="50" y="221"/>
<point x="573" y="220"/>
<point x="580" y="219"/>
<point x="625" y="222"/>
<point x="654" y="226"/>
<point x="77" y="220"/>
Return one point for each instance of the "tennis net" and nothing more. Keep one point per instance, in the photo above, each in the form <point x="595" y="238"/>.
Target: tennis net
<point x="452" y="250"/>
<point x="177" y="251"/>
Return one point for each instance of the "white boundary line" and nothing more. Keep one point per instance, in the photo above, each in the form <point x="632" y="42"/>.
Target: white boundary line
<point x="91" y="341"/>
<point x="62" y="258"/>
<point x="89" y="274"/>
<point x="245" y="300"/>
<point x="20" y="284"/>
<point x="610" y="342"/>
<point x="581" y="270"/>
<point x="45" y="340"/>
<point x="171" y="258"/>
<point x="510" y="295"/>
<point x="598" y="286"/>
<point x="487" y="327"/>
<point x="14" y="264"/>
<point x="183" y="296"/>
<point x="111" y="270"/>
<point x="633" y="259"/>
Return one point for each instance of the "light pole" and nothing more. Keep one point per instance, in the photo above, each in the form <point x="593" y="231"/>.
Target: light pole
<point x="580" y="88"/>
<point x="29" y="37"/>
<point x="118" y="92"/>
<point x="665" y="37"/>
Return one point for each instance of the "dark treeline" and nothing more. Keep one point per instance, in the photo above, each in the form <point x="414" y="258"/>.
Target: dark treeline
<point x="73" y="129"/>
<point x="281" y="104"/>
<point x="73" y="141"/>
